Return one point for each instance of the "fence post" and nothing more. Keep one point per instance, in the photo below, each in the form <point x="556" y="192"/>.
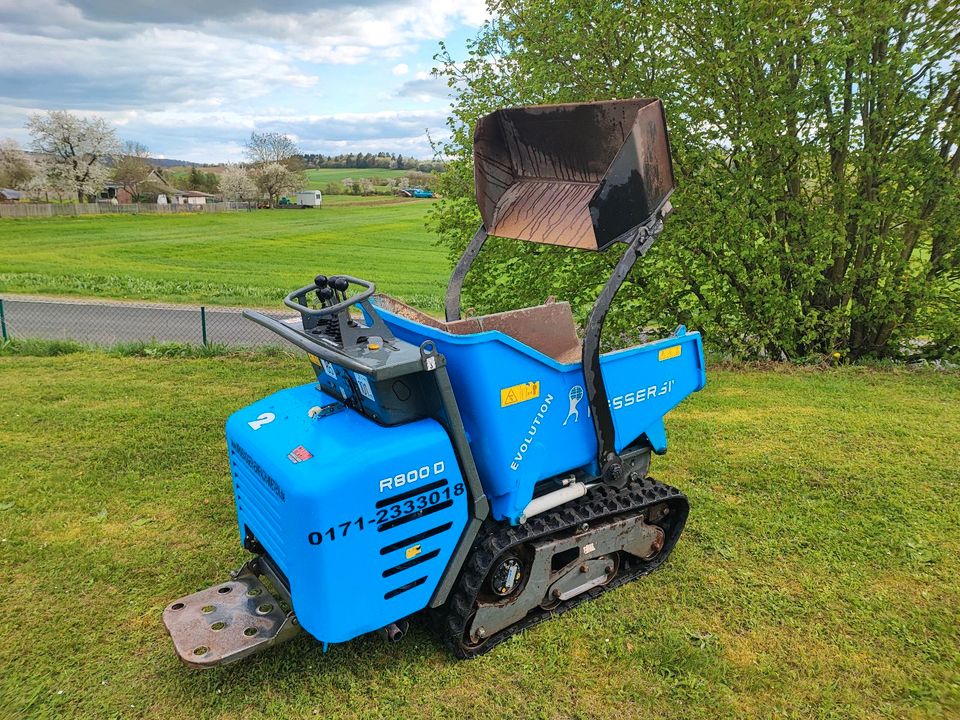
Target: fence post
<point x="203" y="324"/>
<point x="3" y="322"/>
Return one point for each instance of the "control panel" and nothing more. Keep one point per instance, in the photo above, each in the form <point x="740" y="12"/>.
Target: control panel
<point x="357" y="359"/>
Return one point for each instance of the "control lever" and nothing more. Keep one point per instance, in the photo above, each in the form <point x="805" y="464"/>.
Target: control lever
<point x="340" y="286"/>
<point x="333" y="318"/>
<point x="324" y="293"/>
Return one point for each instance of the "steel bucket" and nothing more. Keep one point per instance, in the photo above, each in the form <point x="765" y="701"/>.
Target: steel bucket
<point x="580" y="175"/>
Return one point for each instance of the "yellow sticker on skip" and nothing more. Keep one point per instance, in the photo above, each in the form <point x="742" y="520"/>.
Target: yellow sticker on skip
<point x="670" y="352"/>
<point x="519" y="393"/>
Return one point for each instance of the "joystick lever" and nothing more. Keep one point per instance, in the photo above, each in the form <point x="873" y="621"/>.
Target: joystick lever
<point x="324" y="293"/>
<point x="339" y="285"/>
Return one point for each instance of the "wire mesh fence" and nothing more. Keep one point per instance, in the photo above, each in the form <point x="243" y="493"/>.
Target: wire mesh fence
<point x="25" y="210"/>
<point x="108" y="323"/>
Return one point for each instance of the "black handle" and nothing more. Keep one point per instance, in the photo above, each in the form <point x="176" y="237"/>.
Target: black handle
<point x="455" y="286"/>
<point x="307" y="343"/>
<point x="610" y="465"/>
<point x="291" y="302"/>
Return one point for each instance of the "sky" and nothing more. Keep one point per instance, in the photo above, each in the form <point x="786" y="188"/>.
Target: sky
<point x="191" y="80"/>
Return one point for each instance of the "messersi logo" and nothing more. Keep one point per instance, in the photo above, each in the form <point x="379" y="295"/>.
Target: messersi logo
<point x="576" y="395"/>
<point x="299" y="454"/>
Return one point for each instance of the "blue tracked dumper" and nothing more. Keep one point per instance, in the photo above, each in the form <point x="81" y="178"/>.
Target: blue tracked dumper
<point x="485" y="472"/>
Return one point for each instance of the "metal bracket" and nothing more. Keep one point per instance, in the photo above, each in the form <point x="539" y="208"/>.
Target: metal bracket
<point x="611" y="467"/>
<point x="455" y="285"/>
<point x="480" y="506"/>
<point x="430" y="356"/>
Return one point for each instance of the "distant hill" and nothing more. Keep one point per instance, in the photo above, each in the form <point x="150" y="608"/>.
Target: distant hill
<point x="156" y="162"/>
<point x="167" y="162"/>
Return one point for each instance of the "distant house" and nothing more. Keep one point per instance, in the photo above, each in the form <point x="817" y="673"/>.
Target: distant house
<point x="153" y="184"/>
<point x="191" y="197"/>
<point x="112" y="191"/>
<point x="8" y="195"/>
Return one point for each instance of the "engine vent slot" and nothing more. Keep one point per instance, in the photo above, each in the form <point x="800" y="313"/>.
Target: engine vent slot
<point x="404" y="588"/>
<point x="411" y="563"/>
<point x="407" y="542"/>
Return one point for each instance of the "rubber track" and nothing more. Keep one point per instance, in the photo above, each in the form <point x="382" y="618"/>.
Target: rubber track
<point x="601" y="503"/>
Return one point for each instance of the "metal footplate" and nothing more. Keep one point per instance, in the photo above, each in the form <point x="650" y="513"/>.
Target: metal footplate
<point x="228" y="621"/>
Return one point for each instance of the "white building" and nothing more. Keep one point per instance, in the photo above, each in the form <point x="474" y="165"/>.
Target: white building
<point x="191" y="197"/>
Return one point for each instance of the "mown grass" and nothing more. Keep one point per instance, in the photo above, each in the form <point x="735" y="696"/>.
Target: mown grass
<point x="319" y="177"/>
<point x="243" y="258"/>
<point x="818" y="575"/>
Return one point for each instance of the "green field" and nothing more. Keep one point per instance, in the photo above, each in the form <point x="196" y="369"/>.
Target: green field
<point x="318" y="178"/>
<point x="819" y="575"/>
<point x="242" y="258"/>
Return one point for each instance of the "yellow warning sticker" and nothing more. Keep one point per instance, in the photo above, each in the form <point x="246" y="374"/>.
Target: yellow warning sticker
<point x="670" y="352"/>
<point x="313" y="358"/>
<point x="413" y="551"/>
<point x="519" y="393"/>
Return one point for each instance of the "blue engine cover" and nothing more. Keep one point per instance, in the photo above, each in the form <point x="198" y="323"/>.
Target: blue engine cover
<point x="361" y="519"/>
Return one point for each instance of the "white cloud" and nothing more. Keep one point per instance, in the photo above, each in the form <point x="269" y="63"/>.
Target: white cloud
<point x="371" y="24"/>
<point x="424" y="89"/>
<point x="191" y="80"/>
<point x="137" y="71"/>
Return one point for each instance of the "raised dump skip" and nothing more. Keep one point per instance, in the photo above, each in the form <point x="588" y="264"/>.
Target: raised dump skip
<point x="580" y="175"/>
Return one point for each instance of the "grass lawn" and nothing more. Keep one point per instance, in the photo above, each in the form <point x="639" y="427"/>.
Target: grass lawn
<point x="226" y="258"/>
<point x="819" y="574"/>
<point x="319" y="177"/>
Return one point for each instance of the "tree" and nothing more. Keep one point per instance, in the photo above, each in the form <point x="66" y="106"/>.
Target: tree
<point x="76" y="147"/>
<point x="195" y="179"/>
<point x="271" y="147"/>
<point x="46" y="182"/>
<point x="816" y="151"/>
<point x="16" y="168"/>
<point x="274" y="180"/>
<point x="236" y="184"/>
<point x="201" y="181"/>
<point x="415" y="178"/>
<point x="131" y="168"/>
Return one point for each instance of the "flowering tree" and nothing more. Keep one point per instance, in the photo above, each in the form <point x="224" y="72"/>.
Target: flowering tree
<point x="76" y="148"/>
<point x="275" y="180"/>
<point x="16" y="168"/>
<point x="46" y="182"/>
<point x="236" y="184"/>
<point x="131" y="168"/>
<point x="271" y="147"/>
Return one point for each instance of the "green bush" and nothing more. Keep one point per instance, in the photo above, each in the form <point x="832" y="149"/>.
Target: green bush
<point x="816" y="152"/>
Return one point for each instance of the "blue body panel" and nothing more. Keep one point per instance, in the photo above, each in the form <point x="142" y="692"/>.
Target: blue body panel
<point x="518" y="444"/>
<point x="362" y="519"/>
